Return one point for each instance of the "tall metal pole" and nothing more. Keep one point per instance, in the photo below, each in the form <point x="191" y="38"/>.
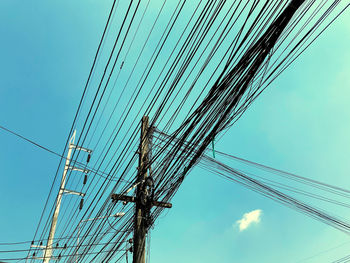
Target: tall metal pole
<point x="140" y="225"/>
<point x="48" y="249"/>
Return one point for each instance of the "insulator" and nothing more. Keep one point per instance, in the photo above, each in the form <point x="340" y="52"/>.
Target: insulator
<point x="130" y="240"/>
<point x="81" y="203"/>
<point x="56" y="244"/>
<point x="85" y="179"/>
<point x="34" y="254"/>
<point x="59" y="256"/>
<point x="41" y="243"/>
<point x="65" y="246"/>
<point x="88" y="158"/>
<point x="32" y="242"/>
<point x="130" y="249"/>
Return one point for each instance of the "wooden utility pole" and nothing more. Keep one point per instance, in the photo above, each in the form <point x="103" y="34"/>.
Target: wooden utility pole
<point x="144" y="196"/>
<point x="140" y="227"/>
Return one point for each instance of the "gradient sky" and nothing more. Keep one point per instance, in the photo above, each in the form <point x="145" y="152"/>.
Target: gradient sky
<point x="299" y="124"/>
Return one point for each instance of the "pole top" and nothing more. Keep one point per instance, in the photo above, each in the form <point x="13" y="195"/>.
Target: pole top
<point x="72" y="139"/>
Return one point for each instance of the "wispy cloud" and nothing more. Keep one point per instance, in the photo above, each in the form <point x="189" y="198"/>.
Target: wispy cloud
<point x="249" y="218"/>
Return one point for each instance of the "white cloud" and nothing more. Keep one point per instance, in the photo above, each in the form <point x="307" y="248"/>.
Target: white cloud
<point x="248" y="219"/>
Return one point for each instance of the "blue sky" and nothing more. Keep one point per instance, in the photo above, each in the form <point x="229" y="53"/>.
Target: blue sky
<point x="299" y="124"/>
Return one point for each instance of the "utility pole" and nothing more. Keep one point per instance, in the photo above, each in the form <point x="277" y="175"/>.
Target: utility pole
<point x="144" y="196"/>
<point x="140" y="224"/>
<point x="48" y="249"/>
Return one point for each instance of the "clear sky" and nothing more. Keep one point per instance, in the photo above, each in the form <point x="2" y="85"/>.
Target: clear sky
<point x="299" y="124"/>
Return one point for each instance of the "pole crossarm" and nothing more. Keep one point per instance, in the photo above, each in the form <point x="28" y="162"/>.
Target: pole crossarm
<point x="67" y="191"/>
<point x="79" y="148"/>
<point x="73" y="168"/>
<point x="132" y="199"/>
